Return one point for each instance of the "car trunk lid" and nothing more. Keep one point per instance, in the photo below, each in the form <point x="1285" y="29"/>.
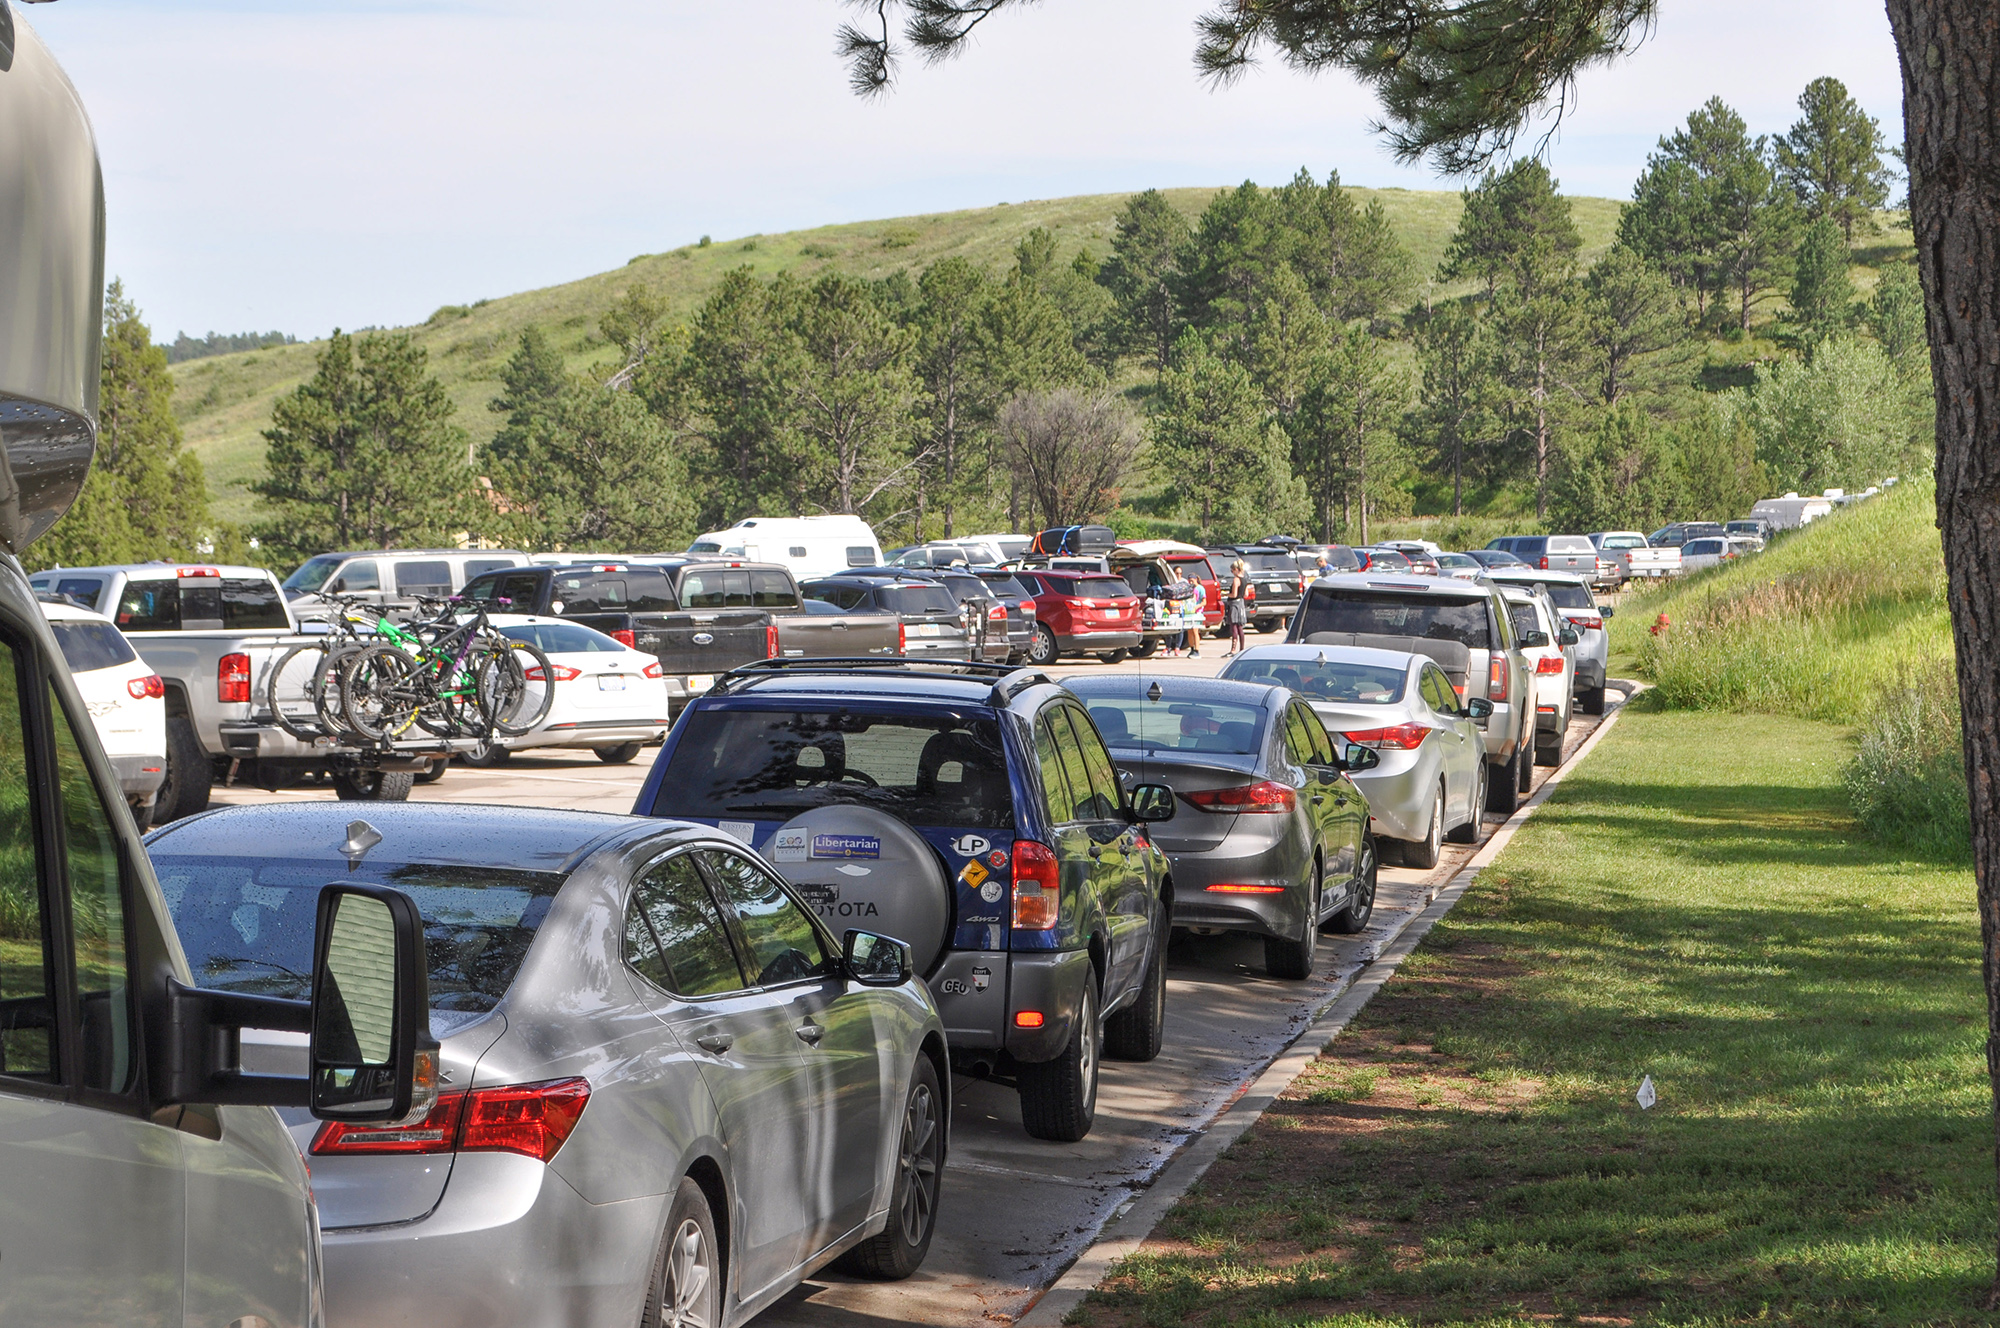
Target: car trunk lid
<point x="1192" y="830"/>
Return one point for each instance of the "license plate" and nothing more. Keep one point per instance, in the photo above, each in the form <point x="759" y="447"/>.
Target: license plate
<point x="701" y="682"/>
<point x="929" y="629"/>
<point x="610" y="682"/>
<point x="1274" y="588"/>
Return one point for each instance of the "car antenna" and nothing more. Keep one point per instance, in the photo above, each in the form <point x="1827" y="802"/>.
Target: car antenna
<point x="361" y="837"/>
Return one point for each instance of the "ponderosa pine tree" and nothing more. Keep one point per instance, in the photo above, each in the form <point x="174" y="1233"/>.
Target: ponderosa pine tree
<point x="951" y="295"/>
<point x="1517" y="231"/>
<point x="1832" y="158"/>
<point x="1822" y="293"/>
<point x="1214" y="448"/>
<point x="1455" y="394"/>
<point x="1345" y="447"/>
<point x="1636" y="335"/>
<point x="530" y="382"/>
<point x="1143" y="276"/>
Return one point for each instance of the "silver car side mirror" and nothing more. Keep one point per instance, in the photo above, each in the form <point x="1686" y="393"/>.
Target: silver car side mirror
<point x="876" y="961"/>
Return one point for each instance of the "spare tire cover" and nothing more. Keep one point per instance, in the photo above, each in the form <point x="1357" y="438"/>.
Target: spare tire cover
<point x="864" y="869"/>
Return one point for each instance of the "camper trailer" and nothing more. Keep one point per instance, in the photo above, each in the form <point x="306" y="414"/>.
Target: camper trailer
<point x="1791" y="511"/>
<point x="812" y="546"/>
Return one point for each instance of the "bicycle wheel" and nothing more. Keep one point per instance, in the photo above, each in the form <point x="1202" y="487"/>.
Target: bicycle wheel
<point x="292" y="689"/>
<point x="516" y="685"/>
<point x="329" y="695"/>
<point x="382" y="689"/>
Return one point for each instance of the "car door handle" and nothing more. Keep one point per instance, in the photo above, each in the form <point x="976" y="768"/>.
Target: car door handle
<point x="1340" y="802"/>
<point x="1097" y="850"/>
<point x="715" y="1043"/>
<point x="1318" y="798"/>
<point x="810" y="1034"/>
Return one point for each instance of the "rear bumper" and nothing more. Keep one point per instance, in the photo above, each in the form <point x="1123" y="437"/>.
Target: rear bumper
<point x="510" y="1243"/>
<point x="140" y="776"/>
<point x="1251" y="858"/>
<point x="1124" y="639"/>
<point x="1049" y="981"/>
<point x="591" y="733"/>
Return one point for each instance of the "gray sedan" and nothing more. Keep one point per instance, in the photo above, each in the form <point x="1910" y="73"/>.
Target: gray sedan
<point x="648" y="1042"/>
<point x="1275" y="838"/>
<point x="1430" y="783"/>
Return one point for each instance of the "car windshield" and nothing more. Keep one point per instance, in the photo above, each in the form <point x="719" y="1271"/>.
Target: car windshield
<point x="1183" y="726"/>
<point x="927" y="769"/>
<point x="1325" y="679"/>
<point x="312" y="573"/>
<point x="561" y="638"/>
<point x="1456" y="560"/>
<point x="92" y="645"/>
<point x="1567" y="596"/>
<point x="1434" y="617"/>
<point x="247" y="923"/>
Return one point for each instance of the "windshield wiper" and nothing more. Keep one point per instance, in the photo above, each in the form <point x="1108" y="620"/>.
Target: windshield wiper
<point x="223" y="962"/>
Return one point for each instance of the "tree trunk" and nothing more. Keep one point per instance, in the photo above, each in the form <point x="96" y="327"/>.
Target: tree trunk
<point x="1950" y="56"/>
<point x="1457" y="474"/>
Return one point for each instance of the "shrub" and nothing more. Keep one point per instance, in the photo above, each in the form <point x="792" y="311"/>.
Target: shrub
<point x="1907" y="781"/>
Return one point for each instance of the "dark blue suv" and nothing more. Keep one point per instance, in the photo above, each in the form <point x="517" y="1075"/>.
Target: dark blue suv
<point x="971" y="810"/>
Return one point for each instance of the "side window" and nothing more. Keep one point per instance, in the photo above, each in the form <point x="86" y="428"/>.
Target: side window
<point x="1106" y="801"/>
<point x="1298" y="738"/>
<point x="1322" y="746"/>
<point x="1070" y="752"/>
<point x="27" y="1012"/>
<point x="357" y="576"/>
<point x="425" y="577"/>
<point x="253" y="605"/>
<point x="1055" y="784"/>
<point x="784" y="946"/>
<point x="1437" y="693"/>
<point x="474" y="566"/>
<point x="97" y="916"/>
<point x="150" y="606"/>
<point x="675" y="936"/>
<point x="859" y="555"/>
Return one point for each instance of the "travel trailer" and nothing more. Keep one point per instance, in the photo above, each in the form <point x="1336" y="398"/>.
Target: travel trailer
<point x="812" y="546"/>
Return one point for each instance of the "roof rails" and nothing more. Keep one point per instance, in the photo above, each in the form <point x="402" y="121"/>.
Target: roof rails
<point x="1011" y="678"/>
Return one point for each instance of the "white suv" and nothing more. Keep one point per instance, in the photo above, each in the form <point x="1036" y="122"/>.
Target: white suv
<point x="126" y="699"/>
<point x="1549" y="643"/>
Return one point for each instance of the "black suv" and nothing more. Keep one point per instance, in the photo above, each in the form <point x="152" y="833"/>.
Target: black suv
<point x="934" y="622"/>
<point x="1274" y="581"/>
<point x="974" y="812"/>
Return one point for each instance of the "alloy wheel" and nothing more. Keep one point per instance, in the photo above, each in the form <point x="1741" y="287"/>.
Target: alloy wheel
<point x="919" y="1165"/>
<point x="690" y="1269"/>
<point x="1087" y="1053"/>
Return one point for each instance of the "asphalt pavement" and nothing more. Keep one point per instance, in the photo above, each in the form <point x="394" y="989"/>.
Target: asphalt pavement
<point x="1016" y="1211"/>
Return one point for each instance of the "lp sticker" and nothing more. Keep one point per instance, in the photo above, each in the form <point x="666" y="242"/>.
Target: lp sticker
<point x="970" y="846"/>
<point x="788" y="846"/>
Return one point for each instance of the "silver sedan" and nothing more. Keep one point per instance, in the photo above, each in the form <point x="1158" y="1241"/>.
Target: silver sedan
<point x="668" y="1092"/>
<point x="1430" y="784"/>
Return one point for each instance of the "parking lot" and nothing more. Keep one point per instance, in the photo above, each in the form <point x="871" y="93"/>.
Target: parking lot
<point x="1016" y="1211"/>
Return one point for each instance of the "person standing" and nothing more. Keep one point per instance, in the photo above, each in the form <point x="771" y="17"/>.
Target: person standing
<point x="1196" y="609"/>
<point x="1236" y="605"/>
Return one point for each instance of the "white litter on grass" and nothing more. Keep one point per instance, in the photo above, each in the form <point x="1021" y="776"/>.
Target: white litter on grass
<point x="1647" y="1097"/>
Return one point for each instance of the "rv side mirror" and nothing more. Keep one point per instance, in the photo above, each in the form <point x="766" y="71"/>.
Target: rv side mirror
<point x="371" y="1052"/>
<point x="876" y="961"/>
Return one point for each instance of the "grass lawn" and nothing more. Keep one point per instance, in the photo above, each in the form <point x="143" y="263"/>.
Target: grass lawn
<point x="1694" y="903"/>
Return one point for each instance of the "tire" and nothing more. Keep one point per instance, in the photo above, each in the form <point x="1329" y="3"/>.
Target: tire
<point x="295" y="705"/>
<point x="1134" y="1033"/>
<point x="185" y="786"/>
<point x="1360" y="907"/>
<point x="622" y="754"/>
<point x="509" y="701"/>
<point x="1268" y="625"/>
<point x="1059" y="1097"/>
<point x="1114" y="656"/>
<point x="1592" y="700"/>
<point x="381" y="693"/>
<point x="374" y="785"/>
<point x="1044" y="649"/>
<point x="1468" y="833"/>
<point x="486" y="755"/>
<point x="1147" y="645"/>
<point x="433" y="772"/>
<point x="1526" y="766"/>
<point x="1503" y="785"/>
<point x="1291" y="958"/>
<point x="900" y="1248"/>
<point x="686" y="1285"/>
<point x="1424" y="853"/>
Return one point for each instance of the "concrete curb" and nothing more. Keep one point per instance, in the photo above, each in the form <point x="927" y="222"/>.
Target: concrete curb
<point x="1130" y="1226"/>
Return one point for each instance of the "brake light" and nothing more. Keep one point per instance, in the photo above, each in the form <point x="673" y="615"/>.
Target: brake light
<point x="232" y="679"/>
<point x="654" y="670"/>
<point x="1231" y="888"/>
<point x="608" y="567"/>
<point x="196" y="571"/>
<point x="1496" y="676"/>
<point x="1266" y="795"/>
<point x="563" y="672"/>
<point x="626" y="637"/>
<point x="902" y="639"/>
<point x="1589" y="624"/>
<point x="1549" y="664"/>
<point x="1403" y="737"/>
<point x="150" y="685"/>
<point x="1028" y="1019"/>
<point x="771" y="650"/>
<point x="1544" y="563"/>
<point x="1037" y="887"/>
<point x="435" y="1133"/>
<point x="998" y="613"/>
<point x="530" y="1119"/>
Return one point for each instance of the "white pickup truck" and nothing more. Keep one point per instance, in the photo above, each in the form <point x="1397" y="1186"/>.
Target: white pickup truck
<point x="212" y="633"/>
<point x="1636" y="559"/>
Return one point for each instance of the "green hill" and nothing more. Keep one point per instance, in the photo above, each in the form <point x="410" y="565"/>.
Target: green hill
<point x="224" y="402"/>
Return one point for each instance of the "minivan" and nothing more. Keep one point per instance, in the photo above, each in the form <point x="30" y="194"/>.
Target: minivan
<point x="392" y="577"/>
<point x="1552" y="553"/>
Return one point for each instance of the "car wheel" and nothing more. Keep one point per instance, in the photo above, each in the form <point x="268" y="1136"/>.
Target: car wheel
<point x="1468" y="833"/>
<point x="1524" y="764"/>
<point x="622" y="754"/>
<point x="1592" y="699"/>
<point x="1114" y="656"/>
<point x="1361" y="902"/>
<point x="913" y="1200"/>
<point x="1059" y="1097"/>
<point x="1044" y="650"/>
<point x="1133" y="1034"/>
<point x="433" y="772"/>
<point x="486" y="754"/>
<point x="374" y="785"/>
<point x="1503" y="785"/>
<point x="1423" y="853"/>
<point x="184" y="786"/>
<point x="1267" y="625"/>
<point x="1147" y="645"/>
<point x="1291" y="958"/>
<point x="686" y="1286"/>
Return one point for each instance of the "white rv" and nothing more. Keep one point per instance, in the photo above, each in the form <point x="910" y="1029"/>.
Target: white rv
<point x="811" y="546"/>
<point x="1791" y="511"/>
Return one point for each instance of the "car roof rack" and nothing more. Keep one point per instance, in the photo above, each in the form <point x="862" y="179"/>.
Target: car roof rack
<point x="1010" y="678"/>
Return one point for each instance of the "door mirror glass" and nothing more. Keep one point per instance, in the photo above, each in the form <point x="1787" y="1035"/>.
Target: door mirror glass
<point x="1568" y="636"/>
<point x="876" y="961"/>
<point x="1479" y="708"/>
<point x="1152" y="802"/>
<point x="370" y="1008"/>
<point x="1530" y="640"/>
<point x="1363" y="758"/>
<point x="1607" y="611"/>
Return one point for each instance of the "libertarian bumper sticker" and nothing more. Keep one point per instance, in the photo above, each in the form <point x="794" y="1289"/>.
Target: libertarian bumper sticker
<point x="846" y="846"/>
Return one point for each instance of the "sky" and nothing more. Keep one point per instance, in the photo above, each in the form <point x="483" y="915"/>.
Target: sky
<point x="304" y="164"/>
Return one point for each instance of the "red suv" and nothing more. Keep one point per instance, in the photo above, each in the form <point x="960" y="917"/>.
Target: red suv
<point x="1081" y="613"/>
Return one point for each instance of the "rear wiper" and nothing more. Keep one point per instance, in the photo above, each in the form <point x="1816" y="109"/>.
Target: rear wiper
<point x="786" y="807"/>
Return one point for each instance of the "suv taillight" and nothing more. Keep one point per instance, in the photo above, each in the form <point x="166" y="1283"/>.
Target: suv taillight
<point x="626" y="637"/>
<point x="1544" y="564"/>
<point x="771" y="650"/>
<point x="1496" y="676"/>
<point x="655" y="670"/>
<point x="1037" y="887"/>
<point x="1549" y="664"/>
<point x="530" y="1119"/>
<point x="902" y="639"/>
<point x="148" y="686"/>
<point x="232" y="679"/>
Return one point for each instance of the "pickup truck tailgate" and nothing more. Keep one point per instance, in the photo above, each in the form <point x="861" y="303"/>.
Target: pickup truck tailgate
<point x="835" y="636"/>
